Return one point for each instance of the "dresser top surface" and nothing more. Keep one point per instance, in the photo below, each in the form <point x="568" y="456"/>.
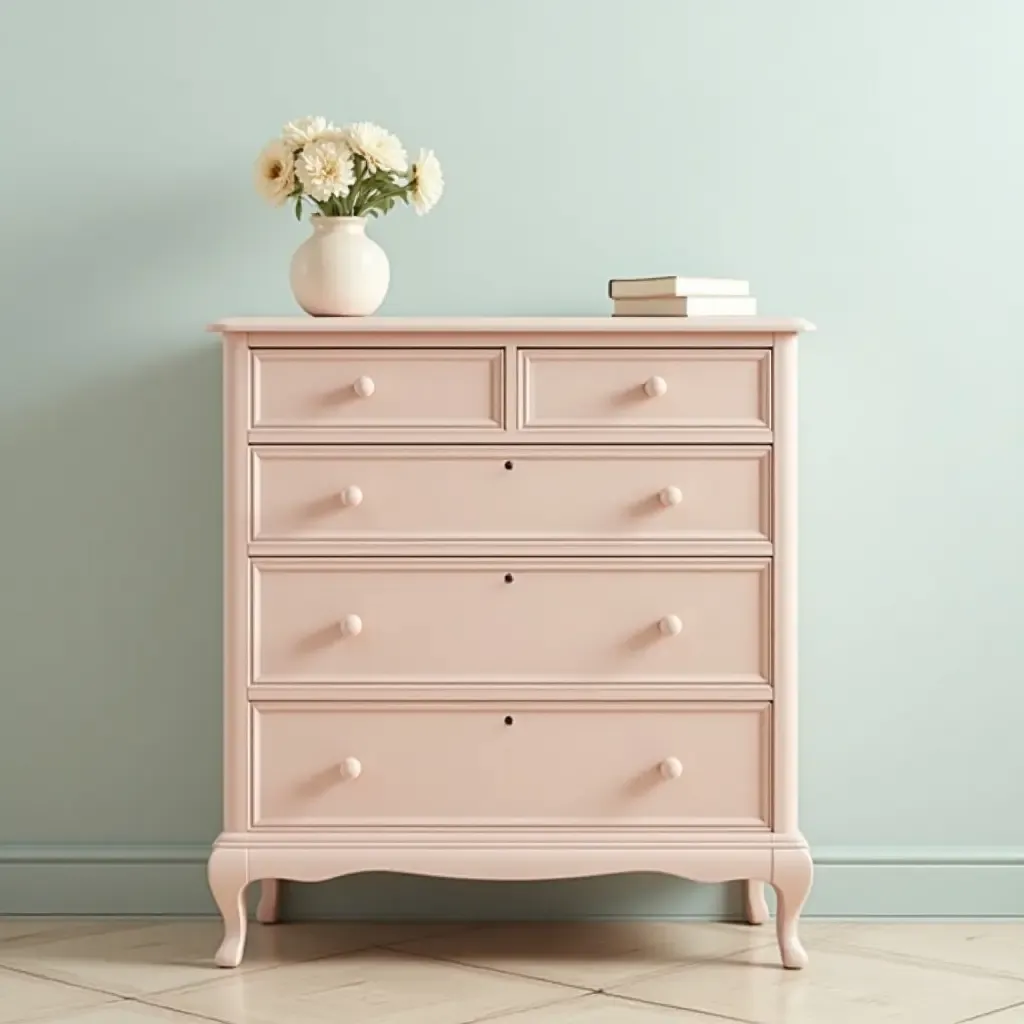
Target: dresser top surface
<point x="298" y="326"/>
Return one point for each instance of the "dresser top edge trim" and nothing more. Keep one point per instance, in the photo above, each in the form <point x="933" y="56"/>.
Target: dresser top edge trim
<point x="511" y="325"/>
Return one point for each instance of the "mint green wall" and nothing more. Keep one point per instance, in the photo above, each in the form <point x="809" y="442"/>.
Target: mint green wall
<point x="862" y="163"/>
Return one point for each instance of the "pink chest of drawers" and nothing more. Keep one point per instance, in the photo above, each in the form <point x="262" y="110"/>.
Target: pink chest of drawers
<point x="510" y="599"/>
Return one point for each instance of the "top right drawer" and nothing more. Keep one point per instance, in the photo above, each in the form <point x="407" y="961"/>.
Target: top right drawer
<point x="646" y="391"/>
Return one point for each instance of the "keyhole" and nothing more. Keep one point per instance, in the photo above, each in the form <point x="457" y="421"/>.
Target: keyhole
<point x="509" y="719"/>
<point x="509" y="464"/>
<point x="509" y="578"/>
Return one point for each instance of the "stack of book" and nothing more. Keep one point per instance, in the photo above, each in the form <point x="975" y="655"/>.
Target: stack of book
<point x="681" y="296"/>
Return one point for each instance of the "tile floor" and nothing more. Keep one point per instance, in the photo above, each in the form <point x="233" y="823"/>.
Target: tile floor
<point x="108" y="971"/>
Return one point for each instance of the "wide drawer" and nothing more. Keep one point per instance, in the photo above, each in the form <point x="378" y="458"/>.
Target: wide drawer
<point x="483" y="497"/>
<point x="373" y="389"/>
<point x="640" y="391"/>
<point x="444" y="621"/>
<point x="335" y="764"/>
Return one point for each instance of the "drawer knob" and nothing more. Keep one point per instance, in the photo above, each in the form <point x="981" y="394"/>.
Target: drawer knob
<point x="671" y="625"/>
<point x="671" y="768"/>
<point x="671" y="496"/>
<point x="352" y="496"/>
<point x="351" y="625"/>
<point x="351" y="768"/>
<point x="364" y="387"/>
<point x="656" y="387"/>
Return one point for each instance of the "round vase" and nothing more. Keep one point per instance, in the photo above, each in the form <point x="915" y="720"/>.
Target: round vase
<point x="339" y="270"/>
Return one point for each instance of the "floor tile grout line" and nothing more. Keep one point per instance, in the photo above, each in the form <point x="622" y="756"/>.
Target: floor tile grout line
<point x="875" y="952"/>
<point x="252" y="971"/>
<point x="501" y="1015"/>
<point x="689" y="1009"/>
<point x="586" y="989"/>
<point x="173" y="1009"/>
<point x="60" y="981"/>
<point x="223" y="973"/>
<point x="657" y="972"/>
<point x="486" y="967"/>
<point x="991" y="1013"/>
<point x="220" y="975"/>
<point x="60" y="1016"/>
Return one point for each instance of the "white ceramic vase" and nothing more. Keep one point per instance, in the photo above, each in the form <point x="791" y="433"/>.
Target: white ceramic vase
<point x="339" y="270"/>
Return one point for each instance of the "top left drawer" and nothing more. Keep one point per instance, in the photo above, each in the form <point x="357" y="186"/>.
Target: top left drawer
<point x="378" y="390"/>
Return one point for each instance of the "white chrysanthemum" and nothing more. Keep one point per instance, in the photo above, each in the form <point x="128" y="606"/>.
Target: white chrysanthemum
<point x="307" y="129"/>
<point x="377" y="146"/>
<point x="325" y="169"/>
<point x="427" y="182"/>
<point x="275" y="172"/>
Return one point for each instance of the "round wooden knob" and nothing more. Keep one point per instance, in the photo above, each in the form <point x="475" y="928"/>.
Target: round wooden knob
<point x="351" y="625"/>
<point x="671" y="768"/>
<point x="671" y="625"/>
<point x="352" y="768"/>
<point x="364" y="387"/>
<point x="671" y="496"/>
<point x="656" y="387"/>
<point x="352" y="496"/>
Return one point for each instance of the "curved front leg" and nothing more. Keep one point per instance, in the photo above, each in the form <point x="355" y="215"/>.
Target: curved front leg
<point x="227" y="872"/>
<point x="792" y="874"/>
<point x="754" y="904"/>
<point x="268" y="908"/>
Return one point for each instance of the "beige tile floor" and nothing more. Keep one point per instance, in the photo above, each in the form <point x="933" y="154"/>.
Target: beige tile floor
<point x="160" y="972"/>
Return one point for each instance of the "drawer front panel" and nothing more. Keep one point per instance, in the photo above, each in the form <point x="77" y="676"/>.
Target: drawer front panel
<point x="471" y="494"/>
<point x="368" y="389"/>
<point x="636" y="390"/>
<point x="335" y="764"/>
<point x="554" y="620"/>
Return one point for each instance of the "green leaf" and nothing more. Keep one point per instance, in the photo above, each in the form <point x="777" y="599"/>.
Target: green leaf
<point x="298" y="207"/>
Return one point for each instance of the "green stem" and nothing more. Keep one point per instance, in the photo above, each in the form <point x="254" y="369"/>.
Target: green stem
<point x="353" y="192"/>
<point x="381" y="196"/>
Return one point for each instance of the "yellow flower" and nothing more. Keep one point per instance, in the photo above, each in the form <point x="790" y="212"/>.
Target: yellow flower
<point x="427" y="182"/>
<point x="275" y="172"/>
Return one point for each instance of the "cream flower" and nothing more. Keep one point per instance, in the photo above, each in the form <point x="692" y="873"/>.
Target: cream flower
<point x="377" y="146"/>
<point x="307" y="129"/>
<point x="427" y="182"/>
<point x="275" y="172"/>
<point x="325" y="169"/>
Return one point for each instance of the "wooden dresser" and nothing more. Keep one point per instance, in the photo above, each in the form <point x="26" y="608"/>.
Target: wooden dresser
<point x="510" y="599"/>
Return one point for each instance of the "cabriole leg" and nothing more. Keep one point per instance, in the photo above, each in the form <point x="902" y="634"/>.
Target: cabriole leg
<point x="228" y="876"/>
<point x="755" y="905"/>
<point x="267" y="910"/>
<point x="791" y="879"/>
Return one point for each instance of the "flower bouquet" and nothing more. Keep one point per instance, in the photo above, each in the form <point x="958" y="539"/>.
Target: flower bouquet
<point x="343" y="176"/>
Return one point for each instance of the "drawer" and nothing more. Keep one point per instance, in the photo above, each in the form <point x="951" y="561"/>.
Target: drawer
<point x="557" y="620"/>
<point x="373" y="389"/>
<point x="483" y="498"/>
<point x="669" y="763"/>
<point x="645" y="390"/>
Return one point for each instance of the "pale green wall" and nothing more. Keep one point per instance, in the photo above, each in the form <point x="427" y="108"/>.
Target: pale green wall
<point x="861" y="162"/>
